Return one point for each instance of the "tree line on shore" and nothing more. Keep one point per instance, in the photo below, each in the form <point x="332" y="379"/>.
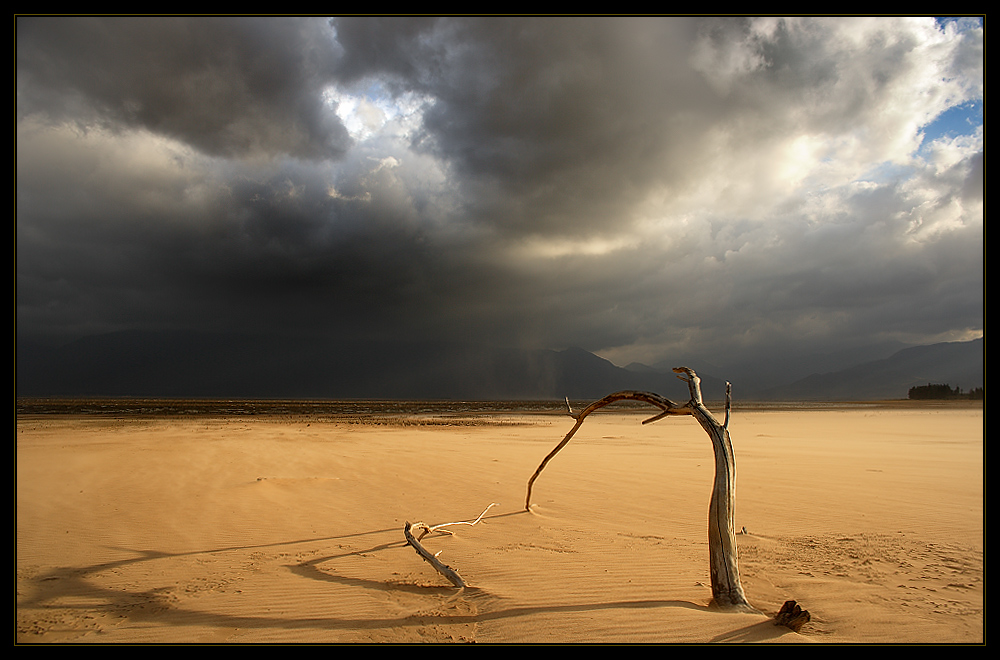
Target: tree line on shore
<point x="945" y="391"/>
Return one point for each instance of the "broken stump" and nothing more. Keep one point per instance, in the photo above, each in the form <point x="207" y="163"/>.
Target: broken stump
<point x="791" y="616"/>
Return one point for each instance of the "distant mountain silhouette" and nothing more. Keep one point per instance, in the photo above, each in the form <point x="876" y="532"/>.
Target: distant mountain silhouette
<point x="178" y="364"/>
<point x="959" y="364"/>
<point x="187" y="364"/>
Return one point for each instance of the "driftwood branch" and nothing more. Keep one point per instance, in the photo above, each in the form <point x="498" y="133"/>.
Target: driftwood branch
<point x="727" y="591"/>
<point x="440" y="528"/>
<point x="424" y="529"/>
<point x="432" y="559"/>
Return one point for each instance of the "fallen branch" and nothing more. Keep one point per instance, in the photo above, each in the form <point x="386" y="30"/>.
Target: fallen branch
<point x="425" y="554"/>
<point x="424" y="529"/>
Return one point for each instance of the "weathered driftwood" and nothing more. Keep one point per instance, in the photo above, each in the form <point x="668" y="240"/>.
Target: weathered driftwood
<point x="424" y="529"/>
<point x="725" y="574"/>
<point x="441" y="527"/>
<point x="792" y="616"/>
<point x="432" y="559"/>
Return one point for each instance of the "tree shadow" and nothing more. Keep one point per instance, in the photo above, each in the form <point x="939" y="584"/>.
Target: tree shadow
<point x="758" y="632"/>
<point x="73" y="588"/>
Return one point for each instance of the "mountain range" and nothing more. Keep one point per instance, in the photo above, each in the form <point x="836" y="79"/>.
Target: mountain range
<point x="179" y="364"/>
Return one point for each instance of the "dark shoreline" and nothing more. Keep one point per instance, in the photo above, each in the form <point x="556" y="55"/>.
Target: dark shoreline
<point x="150" y="407"/>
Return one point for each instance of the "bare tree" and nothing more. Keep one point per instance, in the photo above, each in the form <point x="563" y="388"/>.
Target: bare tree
<point x="727" y="591"/>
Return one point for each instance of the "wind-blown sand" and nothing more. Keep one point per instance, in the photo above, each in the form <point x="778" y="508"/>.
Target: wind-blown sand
<point x="267" y="529"/>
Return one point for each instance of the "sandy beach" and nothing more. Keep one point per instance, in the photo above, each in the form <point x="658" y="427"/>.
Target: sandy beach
<point x="289" y="529"/>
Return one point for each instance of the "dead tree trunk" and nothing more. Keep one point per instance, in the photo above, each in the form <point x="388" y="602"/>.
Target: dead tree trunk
<point x="722" y="552"/>
<point x="723" y="561"/>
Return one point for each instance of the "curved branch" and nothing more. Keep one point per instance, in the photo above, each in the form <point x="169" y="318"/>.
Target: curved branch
<point x="666" y="405"/>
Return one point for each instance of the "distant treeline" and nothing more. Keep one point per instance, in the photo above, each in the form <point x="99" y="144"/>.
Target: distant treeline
<point x="933" y="391"/>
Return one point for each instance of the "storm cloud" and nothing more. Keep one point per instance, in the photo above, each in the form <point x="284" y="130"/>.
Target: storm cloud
<point x="739" y="189"/>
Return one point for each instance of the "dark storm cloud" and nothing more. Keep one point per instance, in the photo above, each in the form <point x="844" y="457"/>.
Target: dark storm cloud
<point x="548" y="122"/>
<point x="641" y="187"/>
<point x="234" y="250"/>
<point x="228" y="86"/>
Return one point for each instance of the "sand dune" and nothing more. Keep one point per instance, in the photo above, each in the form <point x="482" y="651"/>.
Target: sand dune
<point x="267" y="529"/>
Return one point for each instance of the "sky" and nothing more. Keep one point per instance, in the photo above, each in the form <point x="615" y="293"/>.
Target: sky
<point x="739" y="188"/>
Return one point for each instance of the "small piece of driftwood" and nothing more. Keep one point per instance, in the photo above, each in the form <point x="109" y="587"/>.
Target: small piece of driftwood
<point x="424" y="529"/>
<point x="792" y="616"/>
<point x="431" y="559"/>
